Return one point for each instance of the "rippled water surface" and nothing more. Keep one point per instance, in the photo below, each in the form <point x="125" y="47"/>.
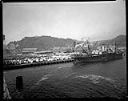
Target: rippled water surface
<point x="68" y="80"/>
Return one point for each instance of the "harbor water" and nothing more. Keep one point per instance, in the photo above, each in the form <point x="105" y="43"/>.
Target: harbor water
<point x="67" y="80"/>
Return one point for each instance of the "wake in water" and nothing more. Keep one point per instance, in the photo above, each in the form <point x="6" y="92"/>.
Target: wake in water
<point x="95" y="78"/>
<point x="93" y="86"/>
<point x="45" y="77"/>
<point x="103" y="85"/>
<point x="60" y="67"/>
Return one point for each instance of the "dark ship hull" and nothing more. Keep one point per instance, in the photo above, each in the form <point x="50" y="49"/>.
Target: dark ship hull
<point x="97" y="58"/>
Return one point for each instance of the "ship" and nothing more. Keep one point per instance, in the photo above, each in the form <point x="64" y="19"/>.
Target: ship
<point x="87" y="56"/>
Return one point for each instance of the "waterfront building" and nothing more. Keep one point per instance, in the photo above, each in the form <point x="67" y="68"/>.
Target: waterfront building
<point x="28" y="50"/>
<point x="44" y="53"/>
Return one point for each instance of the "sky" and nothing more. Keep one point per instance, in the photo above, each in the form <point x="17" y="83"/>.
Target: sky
<point x="93" y="20"/>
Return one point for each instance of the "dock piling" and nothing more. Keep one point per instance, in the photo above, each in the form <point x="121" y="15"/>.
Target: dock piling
<point x="19" y="83"/>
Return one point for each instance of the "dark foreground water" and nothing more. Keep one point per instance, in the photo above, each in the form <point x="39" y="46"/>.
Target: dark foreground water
<point x="68" y="80"/>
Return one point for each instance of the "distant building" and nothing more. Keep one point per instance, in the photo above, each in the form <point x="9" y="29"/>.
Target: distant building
<point x="123" y="49"/>
<point x="56" y="49"/>
<point x="28" y="50"/>
<point x="43" y="52"/>
<point x="61" y="49"/>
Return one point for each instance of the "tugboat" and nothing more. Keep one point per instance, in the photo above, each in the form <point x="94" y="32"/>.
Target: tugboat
<point x="87" y="56"/>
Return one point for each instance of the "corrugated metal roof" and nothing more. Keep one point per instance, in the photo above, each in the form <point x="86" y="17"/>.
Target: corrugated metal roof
<point x="29" y="49"/>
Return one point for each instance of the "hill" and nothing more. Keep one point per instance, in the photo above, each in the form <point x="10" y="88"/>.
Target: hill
<point x="43" y="42"/>
<point x="48" y="42"/>
<point x="120" y="41"/>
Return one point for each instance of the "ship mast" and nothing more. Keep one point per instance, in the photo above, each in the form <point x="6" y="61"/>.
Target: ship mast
<point x="82" y="46"/>
<point x="89" y="50"/>
<point x="107" y="48"/>
<point x="88" y="46"/>
<point x="84" y="49"/>
<point x="74" y="44"/>
<point x="115" y="47"/>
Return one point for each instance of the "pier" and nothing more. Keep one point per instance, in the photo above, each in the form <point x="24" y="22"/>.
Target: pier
<point x="19" y="66"/>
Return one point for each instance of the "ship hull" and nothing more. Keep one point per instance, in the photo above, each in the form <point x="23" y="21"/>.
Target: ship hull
<point x="97" y="58"/>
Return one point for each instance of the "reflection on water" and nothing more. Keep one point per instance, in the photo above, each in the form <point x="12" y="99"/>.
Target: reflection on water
<point x="68" y="80"/>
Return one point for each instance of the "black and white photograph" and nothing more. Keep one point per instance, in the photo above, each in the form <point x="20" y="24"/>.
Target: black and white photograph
<point x="64" y="50"/>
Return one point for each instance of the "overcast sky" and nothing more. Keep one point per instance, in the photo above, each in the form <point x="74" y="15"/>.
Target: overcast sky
<point x="96" y="20"/>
